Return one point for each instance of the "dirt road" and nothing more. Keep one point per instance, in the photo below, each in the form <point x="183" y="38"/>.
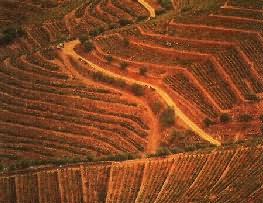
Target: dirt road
<point x="69" y="50"/>
<point x="148" y="7"/>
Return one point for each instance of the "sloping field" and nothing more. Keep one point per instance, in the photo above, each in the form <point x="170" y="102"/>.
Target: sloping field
<point x="210" y="64"/>
<point x="124" y="79"/>
<point x="46" y="113"/>
<point x="223" y="175"/>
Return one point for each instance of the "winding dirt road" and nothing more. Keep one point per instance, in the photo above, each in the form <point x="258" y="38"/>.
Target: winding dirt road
<point x="148" y="7"/>
<point x="69" y="50"/>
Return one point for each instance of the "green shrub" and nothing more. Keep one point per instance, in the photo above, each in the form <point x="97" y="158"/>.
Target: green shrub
<point x="124" y="22"/>
<point x="167" y="117"/>
<point x="126" y="42"/>
<point x="160" y="11"/>
<point x="96" y="31"/>
<point x="176" y="150"/>
<point x="177" y="134"/>
<point x="83" y="38"/>
<point x="143" y="70"/>
<point x="88" y="46"/>
<point x="141" y="18"/>
<point x="109" y="58"/>
<point x="8" y="34"/>
<point x="123" y="65"/>
<point x="163" y="151"/>
<point x="207" y="122"/>
<point x="119" y="157"/>
<point x="156" y="107"/>
<point x="167" y="4"/>
<point x="224" y="118"/>
<point x="137" y="89"/>
<point x="114" y="26"/>
<point x="190" y="148"/>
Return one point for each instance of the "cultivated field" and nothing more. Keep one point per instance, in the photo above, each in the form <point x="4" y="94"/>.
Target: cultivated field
<point x="229" y="175"/>
<point x="163" y="99"/>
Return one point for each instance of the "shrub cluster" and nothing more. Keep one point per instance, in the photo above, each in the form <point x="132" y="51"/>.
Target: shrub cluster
<point x="26" y="163"/>
<point x="167" y="117"/>
<point x="9" y="34"/>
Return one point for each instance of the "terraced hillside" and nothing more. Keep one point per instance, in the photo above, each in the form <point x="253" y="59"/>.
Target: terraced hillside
<point x="210" y="64"/>
<point x="46" y="113"/>
<point x="113" y="83"/>
<point x="229" y="175"/>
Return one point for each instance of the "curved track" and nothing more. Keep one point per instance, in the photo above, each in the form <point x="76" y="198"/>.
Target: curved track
<point x="69" y="50"/>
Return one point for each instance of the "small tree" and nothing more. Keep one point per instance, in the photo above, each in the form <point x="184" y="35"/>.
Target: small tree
<point x="177" y="134"/>
<point x="160" y="11"/>
<point x="124" y="22"/>
<point x="9" y="34"/>
<point x="114" y="26"/>
<point x="109" y="58"/>
<point x="165" y="3"/>
<point x="96" y="31"/>
<point x="261" y="130"/>
<point x="167" y="117"/>
<point x="224" y="118"/>
<point x="140" y="18"/>
<point x="163" y="151"/>
<point x="156" y="107"/>
<point x="126" y="42"/>
<point x="88" y="46"/>
<point x="123" y="65"/>
<point x="207" y="122"/>
<point x="143" y="70"/>
<point x="137" y="89"/>
<point x="261" y="117"/>
<point x="83" y="38"/>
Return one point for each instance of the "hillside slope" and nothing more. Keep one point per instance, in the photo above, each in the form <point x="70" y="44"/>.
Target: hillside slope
<point x="226" y="175"/>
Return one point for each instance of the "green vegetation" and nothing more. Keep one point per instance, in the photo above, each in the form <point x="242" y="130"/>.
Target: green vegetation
<point x="96" y="31"/>
<point x="119" y="157"/>
<point x="8" y="34"/>
<point x="124" y="22"/>
<point x="83" y="38"/>
<point x="114" y="26"/>
<point x="224" y="118"/>
<point x="167" y="117"/>
<point x="34" y="15"/>
<point x="109" y="58"/>
<point x="177" y="134"/>
<point x="143" y="70"/>
<point x="46" y="3"/>
<point x="141" y="18"/>
<point x="123" y="65"/>
<point x="26" y="163"/>
<point x="88" y="46"/>
<point x="207" y="122"/>
<point x="156" y="107"/>
<point x="126" y="42"/>
<point x="167" y="4"/>
<point x="137" y="89"/>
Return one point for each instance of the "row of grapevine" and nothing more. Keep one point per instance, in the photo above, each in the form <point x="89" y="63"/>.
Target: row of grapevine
<point x="219" y="176"/>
